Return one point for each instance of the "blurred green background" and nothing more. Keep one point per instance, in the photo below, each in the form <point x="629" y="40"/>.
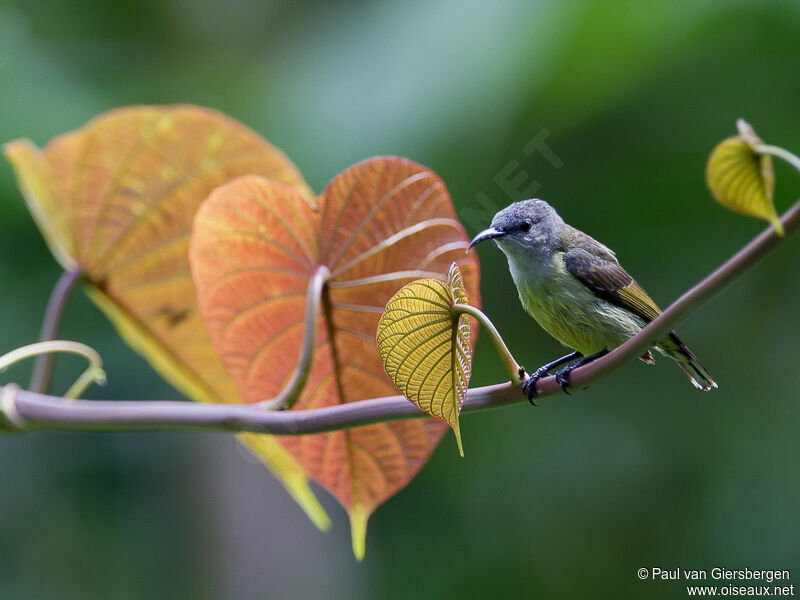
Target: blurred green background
<point x="564" y="501"/>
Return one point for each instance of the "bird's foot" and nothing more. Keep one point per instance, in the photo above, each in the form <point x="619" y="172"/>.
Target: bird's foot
<point x="562" y="377"/>
<point x="529" y="385"/>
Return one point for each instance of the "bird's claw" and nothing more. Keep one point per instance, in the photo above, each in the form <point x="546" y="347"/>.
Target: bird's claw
<point x="529" y="388"/>
<point x="529" y="385"/>
<point x="562" y="377"/>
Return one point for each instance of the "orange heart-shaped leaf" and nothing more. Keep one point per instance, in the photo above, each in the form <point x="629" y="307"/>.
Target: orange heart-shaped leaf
<point x="116" y="199"/>
<point x="255" y="245"/>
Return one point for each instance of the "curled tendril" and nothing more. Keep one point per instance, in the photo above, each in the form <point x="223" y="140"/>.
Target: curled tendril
<point x="93" y="374"/>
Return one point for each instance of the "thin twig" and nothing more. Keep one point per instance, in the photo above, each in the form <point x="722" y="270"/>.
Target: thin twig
<point x="37" y="411"/>
<point x="42" y="376"/>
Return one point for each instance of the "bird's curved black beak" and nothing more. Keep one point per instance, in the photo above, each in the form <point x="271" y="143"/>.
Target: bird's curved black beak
<point x="486" y="234"/>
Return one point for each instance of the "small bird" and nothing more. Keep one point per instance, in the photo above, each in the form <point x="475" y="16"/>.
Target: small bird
<point x="578" y="292"/>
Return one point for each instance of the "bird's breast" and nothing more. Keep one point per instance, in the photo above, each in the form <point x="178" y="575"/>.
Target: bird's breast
<point x="571" y="313"/>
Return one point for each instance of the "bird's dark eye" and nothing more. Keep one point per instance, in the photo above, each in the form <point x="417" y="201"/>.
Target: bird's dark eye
<point x="526" y="226"/>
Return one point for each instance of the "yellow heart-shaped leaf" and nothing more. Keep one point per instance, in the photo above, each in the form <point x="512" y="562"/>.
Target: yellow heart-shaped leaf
<point x="741" y="179"/>
<point x="425" y="346"/>
<point x="116" y="199"/>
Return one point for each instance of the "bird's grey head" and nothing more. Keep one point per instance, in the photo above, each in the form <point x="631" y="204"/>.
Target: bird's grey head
<point x="524" y="228"/>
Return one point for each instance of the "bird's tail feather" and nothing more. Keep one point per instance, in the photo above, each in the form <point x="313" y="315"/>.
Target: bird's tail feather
<point x="689" y="364"/>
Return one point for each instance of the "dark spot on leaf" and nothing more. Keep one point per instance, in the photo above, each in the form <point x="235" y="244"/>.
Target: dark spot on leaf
<point x="174" y="316"/>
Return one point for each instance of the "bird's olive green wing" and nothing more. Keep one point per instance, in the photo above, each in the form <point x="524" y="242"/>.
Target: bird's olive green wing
<point x="606" y="278"/>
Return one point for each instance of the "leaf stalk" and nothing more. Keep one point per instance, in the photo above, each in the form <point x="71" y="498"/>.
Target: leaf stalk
<point x="291" y="393"/>
<point x="515" y="371"/>
<point x="779" y="152"/>
<point x="42" y="376"/>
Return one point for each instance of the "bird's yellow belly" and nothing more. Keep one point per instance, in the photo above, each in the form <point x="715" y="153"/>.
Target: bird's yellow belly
<point x="579" y="319"/>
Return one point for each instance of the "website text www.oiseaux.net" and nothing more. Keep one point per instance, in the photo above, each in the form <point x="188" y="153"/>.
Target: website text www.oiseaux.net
<point x="726" y="582"/>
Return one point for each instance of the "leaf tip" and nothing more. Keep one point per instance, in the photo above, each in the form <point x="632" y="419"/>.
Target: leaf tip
<point x="776" y="223"/>
<point x="457" y="432"/>
<point x="358" y="531"/>
<point x="7" y="148"/>
<point x="291" y="475"/>
<point x="303" y="495"/>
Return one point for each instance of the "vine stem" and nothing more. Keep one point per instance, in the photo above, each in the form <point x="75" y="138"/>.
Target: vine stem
<point x="37" y="411"/>
<point x="42" y="376"/>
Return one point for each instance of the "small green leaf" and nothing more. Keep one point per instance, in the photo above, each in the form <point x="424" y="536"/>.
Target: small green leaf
<point x="741" y="179"/>
<point x="425" y="346"/>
